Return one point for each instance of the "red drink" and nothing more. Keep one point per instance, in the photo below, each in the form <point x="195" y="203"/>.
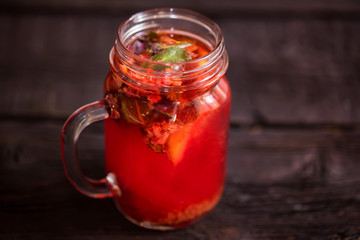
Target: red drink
<point x="166" y="112"/>
<point x="168" y="152"/>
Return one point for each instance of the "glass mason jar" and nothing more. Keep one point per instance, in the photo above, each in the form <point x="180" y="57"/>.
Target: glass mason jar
<point x="166" y="126"/>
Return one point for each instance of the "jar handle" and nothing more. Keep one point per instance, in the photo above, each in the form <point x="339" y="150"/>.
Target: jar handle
<point x="75" y="124"/>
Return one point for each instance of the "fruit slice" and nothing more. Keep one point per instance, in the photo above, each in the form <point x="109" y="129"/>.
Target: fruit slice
<point x="178" y="142"/>
<point x="183" y="139"/>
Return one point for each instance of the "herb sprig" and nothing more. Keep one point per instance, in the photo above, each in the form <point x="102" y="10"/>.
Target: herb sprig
<point x="161" y="49"/>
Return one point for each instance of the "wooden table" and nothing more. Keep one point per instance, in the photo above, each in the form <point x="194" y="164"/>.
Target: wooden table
<point x="294" y="144"/>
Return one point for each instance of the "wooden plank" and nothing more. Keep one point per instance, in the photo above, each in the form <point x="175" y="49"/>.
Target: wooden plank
<point x="281" y="72"/>
<point x="246" y="7"/>
<point x="37" y="202"/>
<point x="294" y="71"/>
<point x="256" y="155"/>
<point x="272" y="155"/>
<point x="60" y="55"/>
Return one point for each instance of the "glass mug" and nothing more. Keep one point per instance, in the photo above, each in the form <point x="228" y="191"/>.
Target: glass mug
<point x="166" y="125"/>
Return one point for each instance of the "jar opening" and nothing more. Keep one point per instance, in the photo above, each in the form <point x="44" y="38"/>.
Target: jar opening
<point x="194" y="73"/>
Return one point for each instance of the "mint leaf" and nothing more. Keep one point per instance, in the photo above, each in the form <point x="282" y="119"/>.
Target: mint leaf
<point x="172" y="54"/>
<point x="134" y="110"/>
<point x="152" y="36"/>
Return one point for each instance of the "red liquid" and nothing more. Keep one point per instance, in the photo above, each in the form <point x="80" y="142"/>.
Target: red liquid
<point x="183" y="180"/>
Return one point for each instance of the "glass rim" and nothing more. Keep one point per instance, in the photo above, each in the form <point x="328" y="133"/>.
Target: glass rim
<point x="175" y="13"/>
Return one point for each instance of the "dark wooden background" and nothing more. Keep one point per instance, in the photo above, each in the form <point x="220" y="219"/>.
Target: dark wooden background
<point x="294" y="146"/>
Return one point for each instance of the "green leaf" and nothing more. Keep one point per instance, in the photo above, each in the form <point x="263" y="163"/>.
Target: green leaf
<point x="152" y="36"/>
<point x="172" y="54"/>
<point x="134" y="110"/>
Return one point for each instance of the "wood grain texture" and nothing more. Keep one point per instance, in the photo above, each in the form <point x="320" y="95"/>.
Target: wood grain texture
<point x="245" y="8"/>
<point x="281" y="72"/>
<point x="294" y="143"/>
<point x="287" y="184"/>
<point x="294" y="71"/>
